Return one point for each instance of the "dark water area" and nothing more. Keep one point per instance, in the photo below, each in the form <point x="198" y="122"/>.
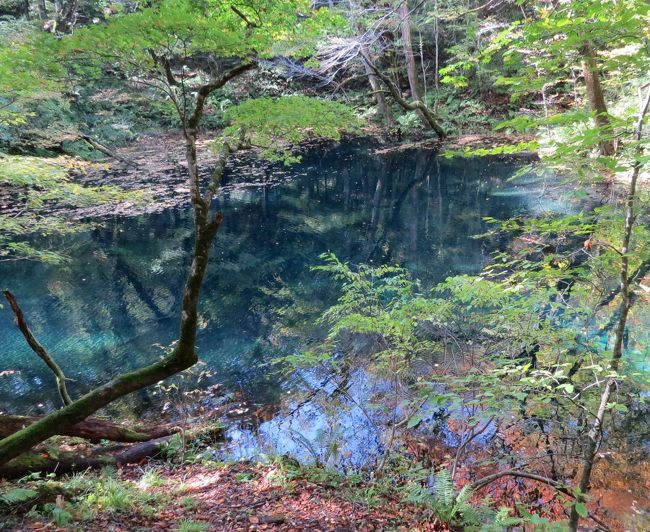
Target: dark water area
<point x="114" y="306"/>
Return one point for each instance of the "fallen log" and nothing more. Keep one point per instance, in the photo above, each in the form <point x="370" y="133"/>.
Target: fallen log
<point x="100" y="147"/>
<point x="70" y="464"/>
<point x="102" y="457"/>
<point x="92" y="429"/>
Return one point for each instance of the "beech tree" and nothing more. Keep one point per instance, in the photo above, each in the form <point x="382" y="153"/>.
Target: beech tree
<point x="185" y="51"/>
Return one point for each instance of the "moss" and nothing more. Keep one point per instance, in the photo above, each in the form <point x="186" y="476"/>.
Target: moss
<point x="14" y="8"/>
<point x="29" y="461"/>
<point x="81" y="149"/>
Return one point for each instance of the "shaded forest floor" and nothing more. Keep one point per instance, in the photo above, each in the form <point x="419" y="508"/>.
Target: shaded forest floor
<point x="241" y="496"/>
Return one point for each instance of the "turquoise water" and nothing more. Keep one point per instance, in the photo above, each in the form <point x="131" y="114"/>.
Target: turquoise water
<point x="114" y="306"/>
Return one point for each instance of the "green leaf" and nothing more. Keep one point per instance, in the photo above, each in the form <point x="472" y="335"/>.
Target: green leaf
<point x="413" y="421"/>
<point x="581" y="509"/>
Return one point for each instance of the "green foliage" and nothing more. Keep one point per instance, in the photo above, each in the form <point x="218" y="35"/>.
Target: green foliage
<point x="150" y="479"/>
<point x="68" y="501"/>
<point x="39" y="183"/>
<point x="546" y="51"/>
<point x="452" y="506"/>
<point x="409" y="121"/>
<point x="135" y="46"/>
<point x="26" y="77"/>
<point x="15" y="496"/>
<point x="272" y="123"/>
<point x="25" y="68"/>
<point x="382" y="313"/>
<point x="106" y="492"/>
<point x="497" y="322"/>
<point x="193" y="526"/>
<point x="59" y="516"/>
<point x="15" y="8"/>
<point x="464" y="113"/>
<point x="182" y="27"/>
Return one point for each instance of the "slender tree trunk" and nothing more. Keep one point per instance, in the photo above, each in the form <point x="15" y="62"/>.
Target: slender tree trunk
<point x="625" y="281"/>
<point x="409" y="58"/>
<point x="384" y="109"/>
<point x="182" y="356"/>
<point x="42" y="10"/>
<point x="436" y="33"/>
<point x="591" y="73"/>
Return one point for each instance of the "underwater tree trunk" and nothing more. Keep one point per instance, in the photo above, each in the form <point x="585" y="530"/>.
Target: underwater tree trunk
<point x="38" y="348"/>
<point x="594" y="435"/>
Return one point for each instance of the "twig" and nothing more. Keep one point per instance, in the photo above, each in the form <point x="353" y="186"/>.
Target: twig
<point x="474" y="433"/>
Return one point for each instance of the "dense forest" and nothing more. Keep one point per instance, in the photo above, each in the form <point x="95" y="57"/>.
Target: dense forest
<point x="324" y="265"/>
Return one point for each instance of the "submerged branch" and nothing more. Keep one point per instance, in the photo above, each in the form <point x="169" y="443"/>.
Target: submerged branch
<point x="38" y="348"/>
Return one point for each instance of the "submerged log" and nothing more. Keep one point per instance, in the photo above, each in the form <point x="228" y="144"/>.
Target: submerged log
<point x="92" y="429"/>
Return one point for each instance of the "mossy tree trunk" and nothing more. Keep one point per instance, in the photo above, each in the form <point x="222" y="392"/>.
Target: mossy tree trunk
<point x="183" y="355"/>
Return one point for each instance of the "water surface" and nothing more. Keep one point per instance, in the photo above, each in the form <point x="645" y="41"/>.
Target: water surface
<point x="115" y="305"/>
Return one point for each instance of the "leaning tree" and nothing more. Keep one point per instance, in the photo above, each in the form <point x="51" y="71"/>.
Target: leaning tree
<point x="183" y="51"/>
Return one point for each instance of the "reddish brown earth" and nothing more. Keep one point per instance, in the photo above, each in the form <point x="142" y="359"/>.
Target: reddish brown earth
<point x="246" y="497"/>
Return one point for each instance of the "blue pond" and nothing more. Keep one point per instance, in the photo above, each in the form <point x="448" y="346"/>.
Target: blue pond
<point x="114" y="305"/>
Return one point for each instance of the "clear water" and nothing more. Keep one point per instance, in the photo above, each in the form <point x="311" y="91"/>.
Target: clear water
<point x="114" y="305"/>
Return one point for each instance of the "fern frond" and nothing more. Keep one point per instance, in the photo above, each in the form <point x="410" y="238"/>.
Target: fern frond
<point x="445" y="488"/>
<point x="464" y="495"/>
<point x="18" y="495"/>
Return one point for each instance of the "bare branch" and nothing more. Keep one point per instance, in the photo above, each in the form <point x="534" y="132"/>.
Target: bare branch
<point x="38" y="348"/>
<point x="243" y="16"/>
